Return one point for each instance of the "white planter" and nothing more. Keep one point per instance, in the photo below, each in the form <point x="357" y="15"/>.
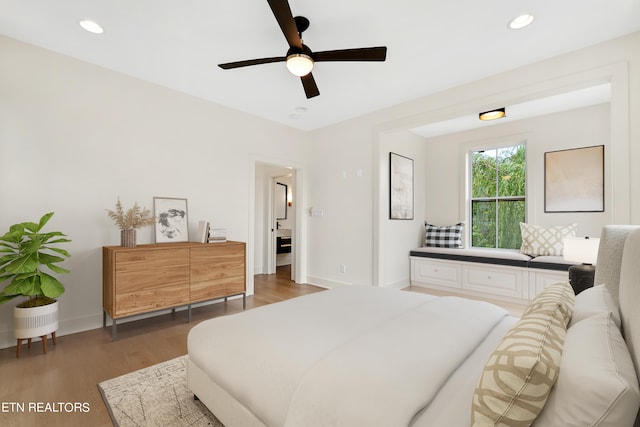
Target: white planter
<point x="34" y="322"/>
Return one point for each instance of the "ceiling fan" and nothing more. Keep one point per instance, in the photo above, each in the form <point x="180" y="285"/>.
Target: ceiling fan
<point x="300" y="58"/>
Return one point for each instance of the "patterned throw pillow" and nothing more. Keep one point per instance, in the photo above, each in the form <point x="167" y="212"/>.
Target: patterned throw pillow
<point x="540" y="241"/>
<point x="521" y="371"/>
<point x="449" y="236"/>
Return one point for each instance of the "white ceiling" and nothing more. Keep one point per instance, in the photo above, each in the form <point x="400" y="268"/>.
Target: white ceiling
<point x="432" y="45"/>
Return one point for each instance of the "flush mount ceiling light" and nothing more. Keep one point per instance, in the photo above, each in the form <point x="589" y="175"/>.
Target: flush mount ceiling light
<point x="91" y="26"/>
<point x="521" y="21"/>
<point x="497" y="113"/>
<point x="299" y="64"/>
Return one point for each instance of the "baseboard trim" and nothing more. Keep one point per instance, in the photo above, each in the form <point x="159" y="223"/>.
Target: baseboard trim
<point x="325" y="283"/>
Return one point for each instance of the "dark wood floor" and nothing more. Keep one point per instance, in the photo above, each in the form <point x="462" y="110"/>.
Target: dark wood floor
<point x="71" y="370"/>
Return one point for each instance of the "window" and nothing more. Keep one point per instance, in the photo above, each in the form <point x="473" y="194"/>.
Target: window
<point x="498" y="197"/>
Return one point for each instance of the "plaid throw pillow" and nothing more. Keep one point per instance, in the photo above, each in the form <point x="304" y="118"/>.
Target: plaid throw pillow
<point x="449" y="236"/>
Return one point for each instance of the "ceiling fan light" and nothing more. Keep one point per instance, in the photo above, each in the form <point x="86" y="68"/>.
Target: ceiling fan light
<point x="299" y="64"/>
<point x="497" y="113"/>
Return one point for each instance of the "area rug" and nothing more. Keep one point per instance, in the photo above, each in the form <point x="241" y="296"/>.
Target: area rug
<point x="155" y="396"/>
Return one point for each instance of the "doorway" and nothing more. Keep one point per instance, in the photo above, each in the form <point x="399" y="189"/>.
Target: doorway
<point x="276" y="219"/>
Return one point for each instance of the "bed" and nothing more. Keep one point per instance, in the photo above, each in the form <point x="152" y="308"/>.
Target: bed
<point x="366" y="356"/>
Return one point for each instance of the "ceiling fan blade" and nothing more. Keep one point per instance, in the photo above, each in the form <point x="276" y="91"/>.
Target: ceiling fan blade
<point x="282" y="11"/>
<point x="238" y="64"/>
<point x="310" y="87"/>
<point x="361" y="54"/>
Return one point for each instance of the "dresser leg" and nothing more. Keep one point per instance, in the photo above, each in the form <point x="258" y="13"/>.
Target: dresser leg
<point x="113" y="329"/>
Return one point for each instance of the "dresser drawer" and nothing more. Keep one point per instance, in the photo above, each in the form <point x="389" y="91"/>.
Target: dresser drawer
<point x="202" y="291"/>
<point x="216" y="263"/>
<point x="141" y="301"/>
<point x="145" y="280"/>
<point x="137" y="260"/>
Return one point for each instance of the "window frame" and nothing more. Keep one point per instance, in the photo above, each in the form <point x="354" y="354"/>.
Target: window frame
<point x="469" y="199"/>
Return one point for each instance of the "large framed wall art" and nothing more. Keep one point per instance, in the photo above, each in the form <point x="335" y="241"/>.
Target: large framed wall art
<point x="574" y="180"/>
<point x="400" y="187"/>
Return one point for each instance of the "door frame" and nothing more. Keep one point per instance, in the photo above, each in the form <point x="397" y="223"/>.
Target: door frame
<point x="298" y="267"/>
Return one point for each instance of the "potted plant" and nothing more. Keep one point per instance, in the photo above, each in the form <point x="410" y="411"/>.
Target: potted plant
<point x="26" y="252"/>
<point x="129" y="221"/>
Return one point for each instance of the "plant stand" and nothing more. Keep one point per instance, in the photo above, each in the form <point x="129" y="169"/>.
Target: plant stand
<point x="44" y="343"/>
<point x="34" y="322"/>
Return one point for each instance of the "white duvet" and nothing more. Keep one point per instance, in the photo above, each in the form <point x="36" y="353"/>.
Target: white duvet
<point x="352" y="356"/>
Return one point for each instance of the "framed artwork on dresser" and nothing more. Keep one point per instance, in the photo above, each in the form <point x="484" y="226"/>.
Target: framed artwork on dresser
<point x="171" y="216"/>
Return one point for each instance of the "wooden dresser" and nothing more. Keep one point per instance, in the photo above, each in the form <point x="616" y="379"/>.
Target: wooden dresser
<point x="168" y="275"/>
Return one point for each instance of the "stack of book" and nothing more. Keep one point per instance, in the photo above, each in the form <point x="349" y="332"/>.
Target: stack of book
<point x="217" y="234"/>
<point x="203" y="231"/>
<point x="208" y="233"/>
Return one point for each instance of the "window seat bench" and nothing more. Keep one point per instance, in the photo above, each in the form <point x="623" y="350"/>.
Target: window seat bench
<point x="496" y="273"/>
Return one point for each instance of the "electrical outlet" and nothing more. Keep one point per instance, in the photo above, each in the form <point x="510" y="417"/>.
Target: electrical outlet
<point x="343" y="268"/>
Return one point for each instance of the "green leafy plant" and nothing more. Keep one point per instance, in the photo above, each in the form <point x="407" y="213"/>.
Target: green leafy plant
<point x="25" y="251"/>
<point x="135" y="217"/>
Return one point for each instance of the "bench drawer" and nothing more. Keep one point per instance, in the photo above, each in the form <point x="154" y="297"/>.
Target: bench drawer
<point x="505" y="281"/>
<point x="436" y="272"/>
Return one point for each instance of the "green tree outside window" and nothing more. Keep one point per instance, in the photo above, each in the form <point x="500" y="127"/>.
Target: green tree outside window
<point x="498" y="178"/>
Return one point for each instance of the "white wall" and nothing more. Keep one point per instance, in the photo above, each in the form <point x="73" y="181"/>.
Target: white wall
<point x="353" y="230"/>
<point x="445" y="168"/>
<point x="397" y="237"/>
<point x="341" y="180"/>
<point x="74" y="137"/>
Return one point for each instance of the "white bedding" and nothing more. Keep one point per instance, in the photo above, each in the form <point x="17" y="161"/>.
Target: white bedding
<point x="317" y="360"/>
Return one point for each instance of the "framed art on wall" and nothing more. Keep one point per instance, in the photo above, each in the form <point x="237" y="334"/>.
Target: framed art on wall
<point x="400" y="187"/>
<point x="574" y="180"/>
<point x="171" y="219"/>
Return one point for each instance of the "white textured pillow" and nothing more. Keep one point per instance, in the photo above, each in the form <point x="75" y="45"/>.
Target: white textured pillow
<point x="538" y="240"/>
<point x="594" y="301"/>
<point x="597" y="384"/>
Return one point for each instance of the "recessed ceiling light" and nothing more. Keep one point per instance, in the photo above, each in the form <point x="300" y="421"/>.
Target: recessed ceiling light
<point x="521" y="21"/>
<point x="91" y="26"/>
<point x="497" y="113"/>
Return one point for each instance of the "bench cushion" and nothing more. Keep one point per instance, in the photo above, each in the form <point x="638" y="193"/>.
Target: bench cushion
<point x="484" y="256"/>
<point x="547" y="262"/>
<point x="495" y="256"/>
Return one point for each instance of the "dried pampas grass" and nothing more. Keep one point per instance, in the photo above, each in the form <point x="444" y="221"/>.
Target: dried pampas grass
<point x="135" y="217"/>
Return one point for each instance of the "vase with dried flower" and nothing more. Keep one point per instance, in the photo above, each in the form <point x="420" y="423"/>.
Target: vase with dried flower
<point x="129" y="222"/>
